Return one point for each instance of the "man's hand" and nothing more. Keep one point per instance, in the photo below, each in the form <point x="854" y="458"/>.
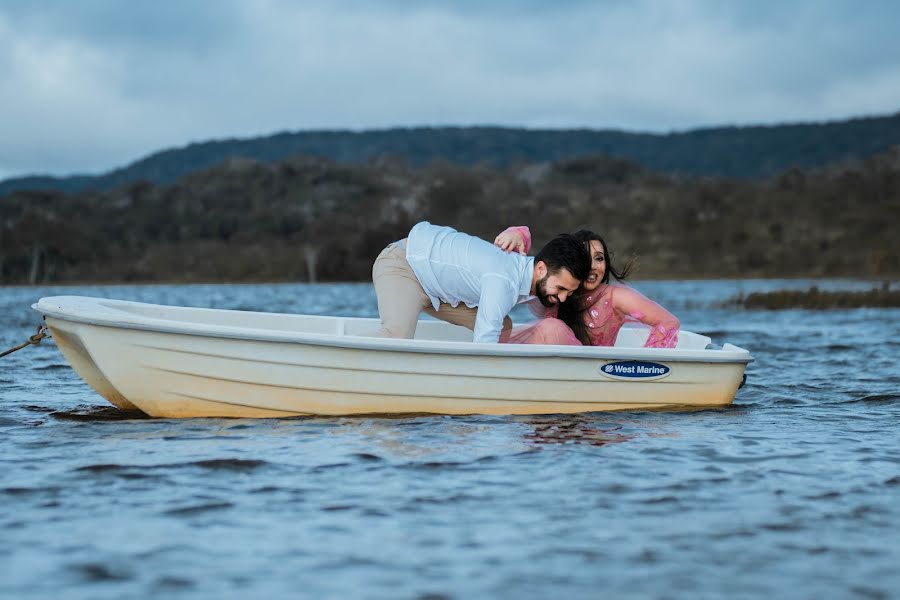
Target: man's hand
<point x="510" y="241"/>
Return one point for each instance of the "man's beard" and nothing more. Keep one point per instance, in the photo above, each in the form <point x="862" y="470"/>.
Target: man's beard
<point x="540" y="290"/>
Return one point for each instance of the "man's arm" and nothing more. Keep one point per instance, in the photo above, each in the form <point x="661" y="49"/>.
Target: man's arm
<point x="498" y="296"/>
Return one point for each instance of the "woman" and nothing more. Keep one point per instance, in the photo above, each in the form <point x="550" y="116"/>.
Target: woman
<point x="596" y="313"/>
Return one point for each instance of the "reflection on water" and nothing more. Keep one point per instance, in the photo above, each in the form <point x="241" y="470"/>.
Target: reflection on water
<point x="572" y="429"/>
<point x="795" y="487"/>
<point x="97" y="413"/>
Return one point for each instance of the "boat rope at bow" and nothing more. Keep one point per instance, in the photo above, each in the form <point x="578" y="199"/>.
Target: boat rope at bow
<point x="32" y="341"/>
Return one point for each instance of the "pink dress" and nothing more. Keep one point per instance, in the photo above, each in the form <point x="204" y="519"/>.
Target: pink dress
<point x="605" y="311"/>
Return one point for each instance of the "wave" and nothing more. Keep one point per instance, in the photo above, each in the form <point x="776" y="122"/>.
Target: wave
<point x="874" y="398"/>
<point x="187" y="511"/>
<point x="216" y="464"/>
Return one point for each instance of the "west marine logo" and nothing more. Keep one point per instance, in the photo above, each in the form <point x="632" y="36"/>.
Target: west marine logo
<point x="635" y="369"/>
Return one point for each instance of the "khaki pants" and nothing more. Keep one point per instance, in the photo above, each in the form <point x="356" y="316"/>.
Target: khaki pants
<point x="401" y="298"/>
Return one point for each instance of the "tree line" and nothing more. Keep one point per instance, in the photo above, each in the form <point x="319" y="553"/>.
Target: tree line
<point x="314" y="219"/>
<point x="742" y="152"/>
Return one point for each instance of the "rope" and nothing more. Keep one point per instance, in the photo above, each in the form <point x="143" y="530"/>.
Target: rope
<point x="32" y="341"/>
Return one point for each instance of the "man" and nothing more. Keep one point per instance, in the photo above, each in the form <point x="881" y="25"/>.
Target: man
<point x="449" y="274"/>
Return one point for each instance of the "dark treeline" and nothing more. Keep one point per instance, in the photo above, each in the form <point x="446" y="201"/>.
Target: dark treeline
<point x="312" y="219"/>
<point x="742" y="152"/>
<point x="816" y="299"/>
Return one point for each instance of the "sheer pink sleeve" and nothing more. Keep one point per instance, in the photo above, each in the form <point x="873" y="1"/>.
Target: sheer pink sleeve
<point x="524" y="232"/>
<point x="634" y="306"/>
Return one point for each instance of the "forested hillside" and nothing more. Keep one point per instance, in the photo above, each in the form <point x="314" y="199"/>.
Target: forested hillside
<point x="315" y="219"/>
<point x="739" y="152"/>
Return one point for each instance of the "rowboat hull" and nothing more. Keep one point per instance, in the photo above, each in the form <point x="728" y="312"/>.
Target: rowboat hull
<point x="200" y="363"/>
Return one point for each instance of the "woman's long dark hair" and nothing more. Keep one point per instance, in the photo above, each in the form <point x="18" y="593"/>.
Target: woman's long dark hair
<point x="571" y="312"/>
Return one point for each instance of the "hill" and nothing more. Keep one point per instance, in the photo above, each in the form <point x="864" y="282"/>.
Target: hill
<point x="738" y="152"/>
<point x="307" y="219"/>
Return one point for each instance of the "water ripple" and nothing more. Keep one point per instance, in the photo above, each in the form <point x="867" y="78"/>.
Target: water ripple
<point x="875" y="398"/>
<point x="94" y="572"/>
<point x="195" y="509"/>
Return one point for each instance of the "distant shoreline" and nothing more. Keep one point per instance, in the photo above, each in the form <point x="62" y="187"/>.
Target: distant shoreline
<point x="893" y="282"/>
<point x="816" y="299"/>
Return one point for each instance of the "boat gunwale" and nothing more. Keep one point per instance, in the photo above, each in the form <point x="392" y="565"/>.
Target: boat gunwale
<point x="346" y="341"/>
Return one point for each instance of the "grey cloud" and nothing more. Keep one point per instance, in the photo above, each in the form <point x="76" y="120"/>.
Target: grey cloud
<point x="115" y="25"/>
<point x="93" y="84"/>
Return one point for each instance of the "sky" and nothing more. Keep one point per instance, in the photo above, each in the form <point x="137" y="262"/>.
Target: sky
<point x="90" y="85"/>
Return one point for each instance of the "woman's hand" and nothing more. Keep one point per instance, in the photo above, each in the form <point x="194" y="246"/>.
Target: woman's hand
<point x="511" y="240"/>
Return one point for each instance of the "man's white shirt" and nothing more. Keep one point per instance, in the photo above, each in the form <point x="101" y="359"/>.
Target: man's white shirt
<point x="454" y="267"/>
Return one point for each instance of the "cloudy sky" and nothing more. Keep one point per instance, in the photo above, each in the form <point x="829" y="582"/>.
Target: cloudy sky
<point x="89" y="85"/>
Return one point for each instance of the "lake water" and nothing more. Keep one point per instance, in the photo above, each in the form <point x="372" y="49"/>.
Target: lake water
<point x="792" y="492"/>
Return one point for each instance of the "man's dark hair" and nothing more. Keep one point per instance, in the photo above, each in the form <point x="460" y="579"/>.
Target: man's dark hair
<point x="565" y="251"/>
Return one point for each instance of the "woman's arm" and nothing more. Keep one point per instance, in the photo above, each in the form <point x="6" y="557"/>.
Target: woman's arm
<point x="635" y="306"/>
<point x="514" y="239"/>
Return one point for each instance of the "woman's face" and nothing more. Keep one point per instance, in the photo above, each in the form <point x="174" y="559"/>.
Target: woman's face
<point x="598" y="267"/>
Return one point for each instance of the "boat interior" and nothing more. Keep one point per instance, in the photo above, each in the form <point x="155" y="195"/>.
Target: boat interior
<point x="631" y="336"/>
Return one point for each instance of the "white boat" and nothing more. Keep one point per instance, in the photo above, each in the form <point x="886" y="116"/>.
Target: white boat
<point x="172" y="361"/>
